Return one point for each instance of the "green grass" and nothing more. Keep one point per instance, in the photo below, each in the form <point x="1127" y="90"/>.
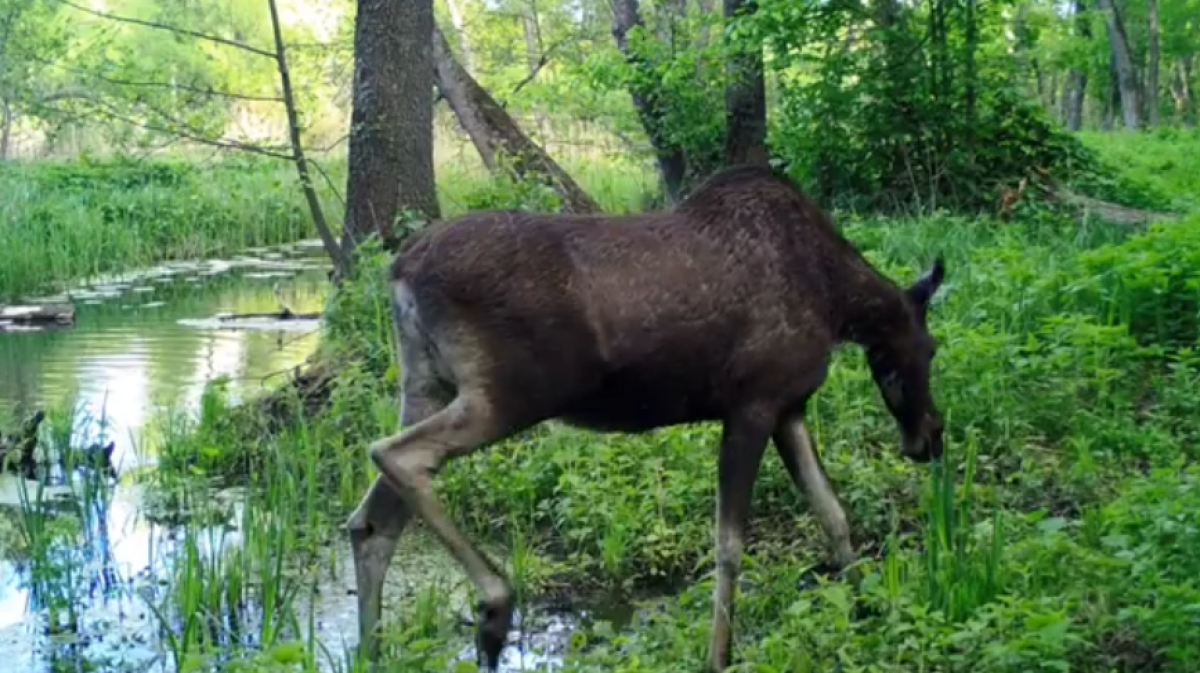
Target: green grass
<point x="66" y="220"/>
<point x="1061" y="535"/>
<point x="61" y="221"/>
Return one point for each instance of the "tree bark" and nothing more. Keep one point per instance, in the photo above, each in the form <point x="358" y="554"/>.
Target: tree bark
<point x="745" y="95"/>
<point x="391" y="127"/>
<point x="672" y="163"/>
<point x="1076" y="87"/>
<point x="494" y="132"/>
<point x="1152" y="68"/>
<point x="1123" y="60"/>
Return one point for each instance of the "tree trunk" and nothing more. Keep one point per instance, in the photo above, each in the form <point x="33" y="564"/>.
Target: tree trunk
<point x="391" y="127"/>
<point x="745" y="95"/>
<point x="494" y="132"/>
<point x="1113" y="102"/>
<point x="1076" y="88"/>
<point x="1126" y="74"/>
<point x="1181" y="90"/>
<point x="1073" y="99"/>
<point x="529" y="26"/>
<point x="460" y="30"/>
<point x="1152" y="107"/>
<point x="533" y="55"/>
<point x="672" y="164"/>
<point x="6" y="124"/>
<point x="337" y="253"/>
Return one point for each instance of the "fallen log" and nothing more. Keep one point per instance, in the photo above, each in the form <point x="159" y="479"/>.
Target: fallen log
<point x="38" y="316"/>
<point x="1110" y="212"/>
<point x="1089" y="206"/>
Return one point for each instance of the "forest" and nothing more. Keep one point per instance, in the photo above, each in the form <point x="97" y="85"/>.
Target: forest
<point x="200" y="201"/>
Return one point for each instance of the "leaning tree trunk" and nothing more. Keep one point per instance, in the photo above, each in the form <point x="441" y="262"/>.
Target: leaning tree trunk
<point x="1152" y="68"/>
<point x="745" y="95"/>
<point x="1126" y="75"/>
<point x="648" y="101"/>
<point x="391" y="127"/>
<point x="493" y="131"/>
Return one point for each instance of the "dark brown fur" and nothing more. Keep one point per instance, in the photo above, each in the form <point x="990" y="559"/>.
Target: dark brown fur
<point x="726" y="309"/>
<point x="634" y="323"/>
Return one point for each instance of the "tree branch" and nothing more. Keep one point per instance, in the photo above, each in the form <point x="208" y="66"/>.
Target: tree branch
<point x="185" y="133"/>
<point x="157" y="85"/>
<point x="169" y="28"/>
<point x="537" y="67"/>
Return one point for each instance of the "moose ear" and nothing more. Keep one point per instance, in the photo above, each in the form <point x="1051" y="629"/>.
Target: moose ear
<point x="924" y="289"/>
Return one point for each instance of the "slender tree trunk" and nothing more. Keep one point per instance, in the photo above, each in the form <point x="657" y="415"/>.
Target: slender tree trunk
<point x="972" y="83"/>
<point x="1126" y="74"/>
<point x="1076" y="88"/>
<point x="500" y="142"/>
<point x="1073" y="97"/>
<point x="336" y="252"/>
<point x="1152" y="74"/>
<point x="745" y="95"/>
<point x="1181" y="90"/>
<point x="6" y="124"/>
<point x="672" y="164"/>
<point x="391" y="134"/>
<point x="529" y="26"/>
<point x="1114" y="96"/>
<point x="460" y="31"/>
<point x="533" y="54"/>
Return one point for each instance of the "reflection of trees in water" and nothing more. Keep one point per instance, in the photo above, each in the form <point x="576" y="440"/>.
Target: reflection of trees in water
<point x="171" y="360"/>
<point x="20" y="373"/>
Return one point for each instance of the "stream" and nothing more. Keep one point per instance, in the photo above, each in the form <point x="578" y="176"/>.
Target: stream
<point x="141" y="344"/>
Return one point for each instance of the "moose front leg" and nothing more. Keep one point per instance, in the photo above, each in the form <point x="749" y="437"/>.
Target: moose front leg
<point x="795" y="447"/>
<point x="742" y="445"/>
<point x="410" y="459"/>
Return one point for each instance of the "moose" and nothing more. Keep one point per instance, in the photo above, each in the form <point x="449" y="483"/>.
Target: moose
<point x="724" y="309"/>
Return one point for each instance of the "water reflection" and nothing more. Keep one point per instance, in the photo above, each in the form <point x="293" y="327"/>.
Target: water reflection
<point x="129" y="357"/>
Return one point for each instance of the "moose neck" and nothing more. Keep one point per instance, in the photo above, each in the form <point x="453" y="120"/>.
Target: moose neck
<point x="871" y="308"/>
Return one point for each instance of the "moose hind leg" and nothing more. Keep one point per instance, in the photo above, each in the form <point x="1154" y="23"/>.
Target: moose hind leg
<point x="795" y="447"/>
<point x="742" y="445"/>
<point x="410" y="459"/>
<point x="374" y="528"/>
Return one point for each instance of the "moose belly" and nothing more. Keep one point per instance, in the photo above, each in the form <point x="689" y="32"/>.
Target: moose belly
<point x="639" y="403"/>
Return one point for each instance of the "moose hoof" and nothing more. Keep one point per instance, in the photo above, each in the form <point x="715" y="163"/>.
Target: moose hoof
<point x="495" y="619"/>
